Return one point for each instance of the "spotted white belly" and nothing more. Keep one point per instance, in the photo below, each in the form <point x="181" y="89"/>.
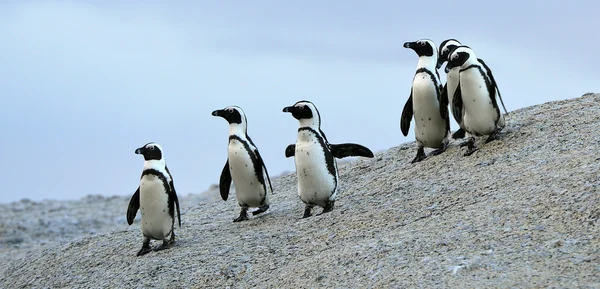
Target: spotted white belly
<point x="315" y="184"/>
<point x="156" y="222"/>
<point x="248" y="191"/>
<point x="479" y="113"/>
<point x="430" y="127"/>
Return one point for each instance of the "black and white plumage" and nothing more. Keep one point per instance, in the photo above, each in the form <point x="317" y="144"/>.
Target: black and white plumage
<point x="157" y="198"/>
<point x="474" y="101"/>
<point x="244" y="166"/>
<point x="446" y="47"/>
<point x="451" y="81"/>
<point x="314" y="157"/>
<point x="432" y="123"/>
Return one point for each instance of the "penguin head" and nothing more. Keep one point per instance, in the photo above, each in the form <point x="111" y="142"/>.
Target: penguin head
<point x="150" y="151"/>
<point x="303" y="111"/>
<point x="234" y="115"/>
<point x="423" y="47"/>
<point x="444" y="51"/>
<point x="460" y="56"/>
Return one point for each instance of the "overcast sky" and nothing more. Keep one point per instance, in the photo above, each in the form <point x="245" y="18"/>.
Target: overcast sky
<point x="84" y="83"/>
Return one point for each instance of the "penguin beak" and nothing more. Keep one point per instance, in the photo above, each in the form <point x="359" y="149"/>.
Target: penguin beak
<point x="291" y="109"/>
<point x="449" y="66"/>
<point x="138" y="151"/>
<point x="218" y="112"/>
<point x="409" y="44"/>
<point x="439" y="62"/>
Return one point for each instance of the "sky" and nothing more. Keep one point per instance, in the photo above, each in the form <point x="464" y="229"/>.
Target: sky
<point x="84" y="83"/>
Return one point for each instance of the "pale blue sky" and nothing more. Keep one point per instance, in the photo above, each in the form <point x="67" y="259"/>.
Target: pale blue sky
<point x="84" y="83"/>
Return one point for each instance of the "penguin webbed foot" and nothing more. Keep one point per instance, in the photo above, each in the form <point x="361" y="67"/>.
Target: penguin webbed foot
<point x="471" y="148"/>
<point x="439" y="151"/>
<point x="166" y="244"/>
<point x="307" y="212"/>
<point x="420" y="155"/>
<point x="243" y="215"/>
<point x="260" y="210"/>
<point x="145" y="247"/>
<point x="493" y="136"/>
<point x="460" y="133"/>
<point x="328" y="207"/>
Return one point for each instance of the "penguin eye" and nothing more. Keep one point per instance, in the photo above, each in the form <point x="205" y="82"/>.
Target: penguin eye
<point x="230" y="110"/>
<point x="151" y="148"/>
<point x="455" y="56"/>
<point x="422" y="43"/>
<point x="301" y="107"/>
<point x="445" y="50"/>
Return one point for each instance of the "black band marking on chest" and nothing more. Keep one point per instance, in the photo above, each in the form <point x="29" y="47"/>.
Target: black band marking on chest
<point x="324" y="146"/>
<point x="256" y="164"/>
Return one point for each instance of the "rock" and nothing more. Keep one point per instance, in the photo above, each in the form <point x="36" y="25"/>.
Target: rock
<point x="520" y="212"/>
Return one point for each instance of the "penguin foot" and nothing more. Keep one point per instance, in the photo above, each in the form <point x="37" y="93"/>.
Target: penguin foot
<point x="328" y="207"/>
<point x="165" y="245"/>
<point x="420" y="155"/>
<point x="470" y="151"/>
<point x="471" y="148"/>
<point x="438" y="151"/>
<point x="460" y="133"/>
<point x="307" y="212"/>
<point x="243" y="215"/>
<point x="260" y="210"/>
<point x="145" y="247"/>
<point x="144" y="251"/>
<point x="493" y="136"/>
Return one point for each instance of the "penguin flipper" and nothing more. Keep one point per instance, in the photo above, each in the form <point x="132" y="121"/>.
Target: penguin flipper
<point x="134" y="206"/>
<point x="350" y="150"/>
<point x="457" y="104"/>
<point x="173" y="195"/>
<point x="493" y="81"/>
<point x="225" y="181"/>
<point x="177" y="203"/>
<point x="262" y="166"/>
<point x="290" y="151"/>
<point x="444" y="102"/>
<point x="407" y="114"/>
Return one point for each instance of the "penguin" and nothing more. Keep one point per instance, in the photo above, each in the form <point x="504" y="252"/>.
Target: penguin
<point x="451" y="81"/>
<point x="315" y="159"/>
<point x="446" y="47"/>
<point x="244" y="166"/>
<point x="157" y="198"/>
<point x="474" y="99"/>
<point x="432" y="123"/>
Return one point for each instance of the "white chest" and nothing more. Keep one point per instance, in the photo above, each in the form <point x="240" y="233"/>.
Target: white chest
<point x="249" y="191"/>
<point x="430" y="127"/>
<point x="479" y="113"/>
<point x="316" y="185"/>
<point x="154" y="206"/>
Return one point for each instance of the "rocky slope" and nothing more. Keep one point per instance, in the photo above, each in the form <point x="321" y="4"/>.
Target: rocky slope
<point x="521" y="212"/>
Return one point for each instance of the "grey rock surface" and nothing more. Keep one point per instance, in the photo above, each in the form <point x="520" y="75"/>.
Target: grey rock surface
<point x="521" y="212"/>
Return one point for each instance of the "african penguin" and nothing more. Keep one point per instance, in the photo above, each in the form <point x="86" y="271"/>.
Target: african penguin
<point x="445" y="50"/>
<point x="157" y="198"/>
<point x="451" y="81"/>
<point x="432" y="123"/>
<point x="475" y="97"/>
<point x="314" y="156"/>
<point x="244" y="166"/>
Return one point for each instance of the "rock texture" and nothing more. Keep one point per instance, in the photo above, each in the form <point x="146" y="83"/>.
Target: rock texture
<point x="521" y="212"/>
